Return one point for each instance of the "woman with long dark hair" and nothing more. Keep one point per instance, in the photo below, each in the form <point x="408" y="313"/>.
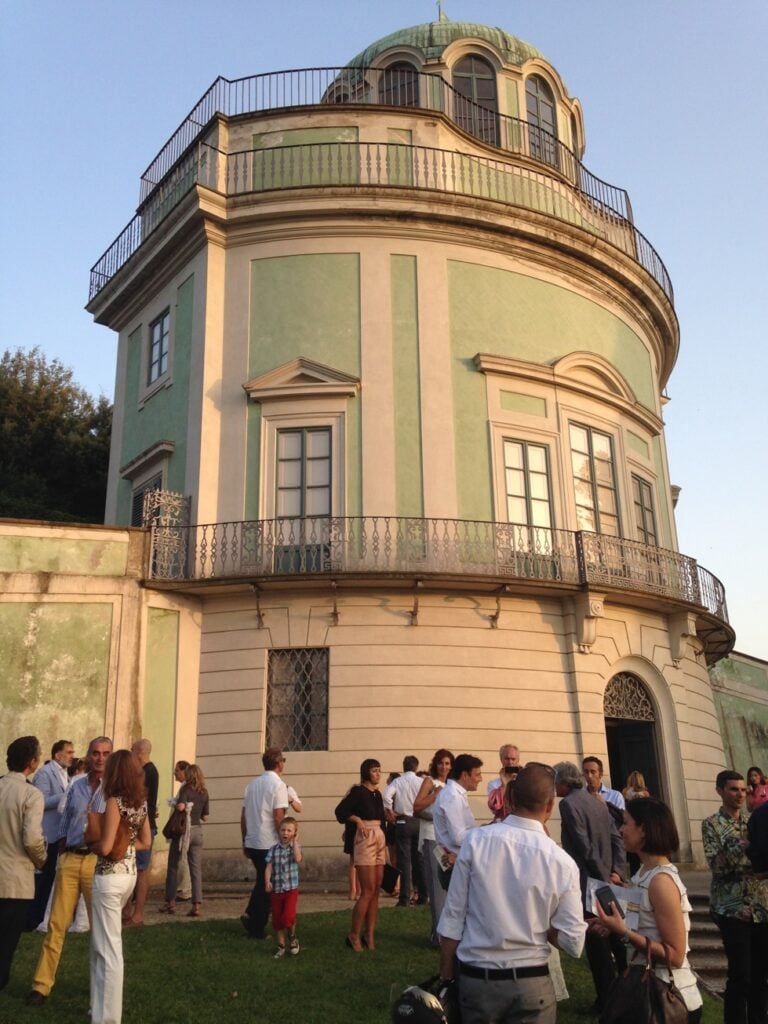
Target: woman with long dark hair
<point x="757" y="788"/>
<point x="439" y="770"/>
<point x="363" y="806"/>
<point x="192" y="800"/>
<point x="649" y="830"/>
<point x="125" y="818"/>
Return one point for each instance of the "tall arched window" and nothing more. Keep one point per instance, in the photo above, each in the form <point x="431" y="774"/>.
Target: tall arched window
<point x="477" y="104"/>
<point x="542" y="120"/>
<point x="399" y="85"/>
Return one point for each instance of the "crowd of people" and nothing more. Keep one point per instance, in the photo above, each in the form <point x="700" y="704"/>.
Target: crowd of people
<point x="504" y="897"/>
<point x="75" y="851"/>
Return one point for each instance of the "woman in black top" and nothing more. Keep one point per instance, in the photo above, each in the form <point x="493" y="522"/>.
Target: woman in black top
<point x="364" y="808"/>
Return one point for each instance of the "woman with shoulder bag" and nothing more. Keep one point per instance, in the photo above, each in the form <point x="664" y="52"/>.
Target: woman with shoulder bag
<point x="664" y="914"/>
<point x="193" y="803"/>
<point x="124" y="829"/>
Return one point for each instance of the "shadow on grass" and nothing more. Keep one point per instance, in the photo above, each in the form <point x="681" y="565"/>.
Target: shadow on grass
<point x="209" y="972"/>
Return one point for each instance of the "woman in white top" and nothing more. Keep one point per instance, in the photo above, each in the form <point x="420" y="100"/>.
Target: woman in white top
<point x="439" y="770"/>
<point x="663" y="915"/>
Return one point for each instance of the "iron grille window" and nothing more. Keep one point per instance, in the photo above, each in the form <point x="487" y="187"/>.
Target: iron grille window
<point x="645" y="515"/>
<point x="594" y="481"/>
<point x="297" y="699"/>
<point x="159" y="331"/>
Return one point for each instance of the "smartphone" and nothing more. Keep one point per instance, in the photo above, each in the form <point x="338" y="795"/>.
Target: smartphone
<point x="605" y="897"/>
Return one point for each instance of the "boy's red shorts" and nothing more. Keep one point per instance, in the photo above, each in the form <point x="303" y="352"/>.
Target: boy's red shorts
<point x="283" y="906"/>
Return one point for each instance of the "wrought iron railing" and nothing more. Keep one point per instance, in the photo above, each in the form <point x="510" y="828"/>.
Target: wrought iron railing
<point x="379" y="165"/>
<point x="395" y="546"/>
<point x="173" y="171"/>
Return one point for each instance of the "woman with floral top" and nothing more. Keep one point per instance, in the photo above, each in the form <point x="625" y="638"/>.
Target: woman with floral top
<point x="757" y="788"/>
<point x="114" y="881"/>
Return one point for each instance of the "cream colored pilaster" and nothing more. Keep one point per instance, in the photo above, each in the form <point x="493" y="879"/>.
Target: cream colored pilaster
<point x="435" y="365"/>
<point x="377" y="393"/>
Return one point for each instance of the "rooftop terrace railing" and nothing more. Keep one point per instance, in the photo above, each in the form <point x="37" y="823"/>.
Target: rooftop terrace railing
<point x="379" y="165"/>
<point x="395" y="546"/>
<point x="307" y="87"/>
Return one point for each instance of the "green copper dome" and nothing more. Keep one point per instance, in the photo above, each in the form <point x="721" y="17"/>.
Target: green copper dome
<point x="434" y="36"/>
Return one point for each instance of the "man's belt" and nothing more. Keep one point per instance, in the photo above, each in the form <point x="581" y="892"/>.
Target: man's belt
<point x="503" y="974"/>
<point x="81" y="851"/>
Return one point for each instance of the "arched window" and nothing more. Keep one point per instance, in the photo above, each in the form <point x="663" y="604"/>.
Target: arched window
<point x="399" y="85"/>
<point x="542" y="120"/>
<point x="476" y="103"/>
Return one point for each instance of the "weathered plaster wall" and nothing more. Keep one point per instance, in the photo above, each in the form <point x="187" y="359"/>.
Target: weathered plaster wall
<point x="740" y="685"/>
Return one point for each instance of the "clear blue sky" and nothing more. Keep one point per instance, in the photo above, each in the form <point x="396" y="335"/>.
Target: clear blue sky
<point x="673" y="93"/>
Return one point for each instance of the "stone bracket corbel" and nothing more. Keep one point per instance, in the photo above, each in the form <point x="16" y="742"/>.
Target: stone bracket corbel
<point x="259" y="617"/>
<point x="682" y="634"/>
<point x="589" y="608"/>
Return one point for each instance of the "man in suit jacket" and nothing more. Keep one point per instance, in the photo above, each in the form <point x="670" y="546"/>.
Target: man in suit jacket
<point x="590" y="836"/>
<point x="52" y="780"/>
<point x="22" y="846"/>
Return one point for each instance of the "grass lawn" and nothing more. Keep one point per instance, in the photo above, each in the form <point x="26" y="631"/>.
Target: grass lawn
<point x="208" y="972"/>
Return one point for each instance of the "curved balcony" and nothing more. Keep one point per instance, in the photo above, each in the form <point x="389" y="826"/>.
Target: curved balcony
<point x="383" y="547"/>
<point x="555" y="179"/>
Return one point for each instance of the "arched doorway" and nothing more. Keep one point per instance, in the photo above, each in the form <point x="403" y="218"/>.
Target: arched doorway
<point x="630" y="728"/>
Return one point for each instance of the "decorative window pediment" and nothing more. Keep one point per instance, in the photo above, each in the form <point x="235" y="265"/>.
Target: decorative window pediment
<point x="302" y="378"/>
<point x="596" y="372"/>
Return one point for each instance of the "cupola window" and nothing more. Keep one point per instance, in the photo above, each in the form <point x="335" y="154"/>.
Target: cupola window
<point x="399" y="85"/>
<point x="542" y="120"/>
<point x="476" y="101"/>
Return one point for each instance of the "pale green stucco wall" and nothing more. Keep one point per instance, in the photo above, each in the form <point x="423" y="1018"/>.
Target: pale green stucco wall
<point x="164" y="414"/>
<point x="409" y="483"/>
<point x="54" y="665"/>
<point x="158" y="720"/>
<point x="31" y="552"/>
<point x="661" y="496"/>
<point x="307" y="306"/>
<point x="743" y="721"/>
<point x="305" y="156"/>
<point x="508" y="314"/>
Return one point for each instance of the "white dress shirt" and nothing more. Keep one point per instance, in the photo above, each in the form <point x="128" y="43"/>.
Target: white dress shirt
<point x="402" y="791"/>
<point x="511" y="883"/>
<point x="451" y="816"/>
<point x="263" y="795"/>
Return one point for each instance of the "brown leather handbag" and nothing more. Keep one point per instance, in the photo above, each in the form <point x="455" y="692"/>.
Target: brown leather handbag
<point x="640" y="996"/>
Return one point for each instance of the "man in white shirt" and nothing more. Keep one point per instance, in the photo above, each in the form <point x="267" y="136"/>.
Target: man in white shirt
<point x="452" y="817"/>
<point x="53" y="781"/>
<point x="398" y="807"/>
<point x="264" y="807"/>
<point x="513" y="891"/>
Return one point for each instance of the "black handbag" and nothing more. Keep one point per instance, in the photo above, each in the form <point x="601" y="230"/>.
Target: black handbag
<point x="176" y="825"/>
<point x="640" y="996"/>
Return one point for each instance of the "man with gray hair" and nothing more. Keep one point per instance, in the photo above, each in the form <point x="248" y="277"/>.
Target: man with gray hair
<point x="590" y="836"/>
<point x="77" y="864"/>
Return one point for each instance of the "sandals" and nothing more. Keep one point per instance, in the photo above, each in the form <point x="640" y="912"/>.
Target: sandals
<point x="169" y="908"/>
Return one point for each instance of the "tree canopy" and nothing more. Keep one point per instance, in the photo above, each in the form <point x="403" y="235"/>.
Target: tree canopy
<point x="54" y="442"/>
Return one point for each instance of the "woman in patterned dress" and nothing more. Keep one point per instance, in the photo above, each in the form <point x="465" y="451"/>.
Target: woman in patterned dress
<point x="114" y="881"/>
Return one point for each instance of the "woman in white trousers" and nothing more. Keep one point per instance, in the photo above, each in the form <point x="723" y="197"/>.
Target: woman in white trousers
<point x="124" y="829"/>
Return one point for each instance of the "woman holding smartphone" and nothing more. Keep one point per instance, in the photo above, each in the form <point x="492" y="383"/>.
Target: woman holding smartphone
<point x="649" y="831"/>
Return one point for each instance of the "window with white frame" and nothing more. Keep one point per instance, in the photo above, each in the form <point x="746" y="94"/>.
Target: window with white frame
<point x="526" y="480"/>
<point x="645" y="512"/>
<point x="297" y="699"/>
<point x="594" y="481"/>
<point x="159" y="345"/>
<point x="542" y="120"/>
<point x="302" y="499"/>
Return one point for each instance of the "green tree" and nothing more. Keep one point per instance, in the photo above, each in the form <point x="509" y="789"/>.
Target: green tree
<point x="54" y="442"/>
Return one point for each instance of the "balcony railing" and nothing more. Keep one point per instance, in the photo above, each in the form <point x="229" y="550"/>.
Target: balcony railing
<point x="393" y="546"/>
<point x="378" y="165"/>
<point x="175" y="169"/>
